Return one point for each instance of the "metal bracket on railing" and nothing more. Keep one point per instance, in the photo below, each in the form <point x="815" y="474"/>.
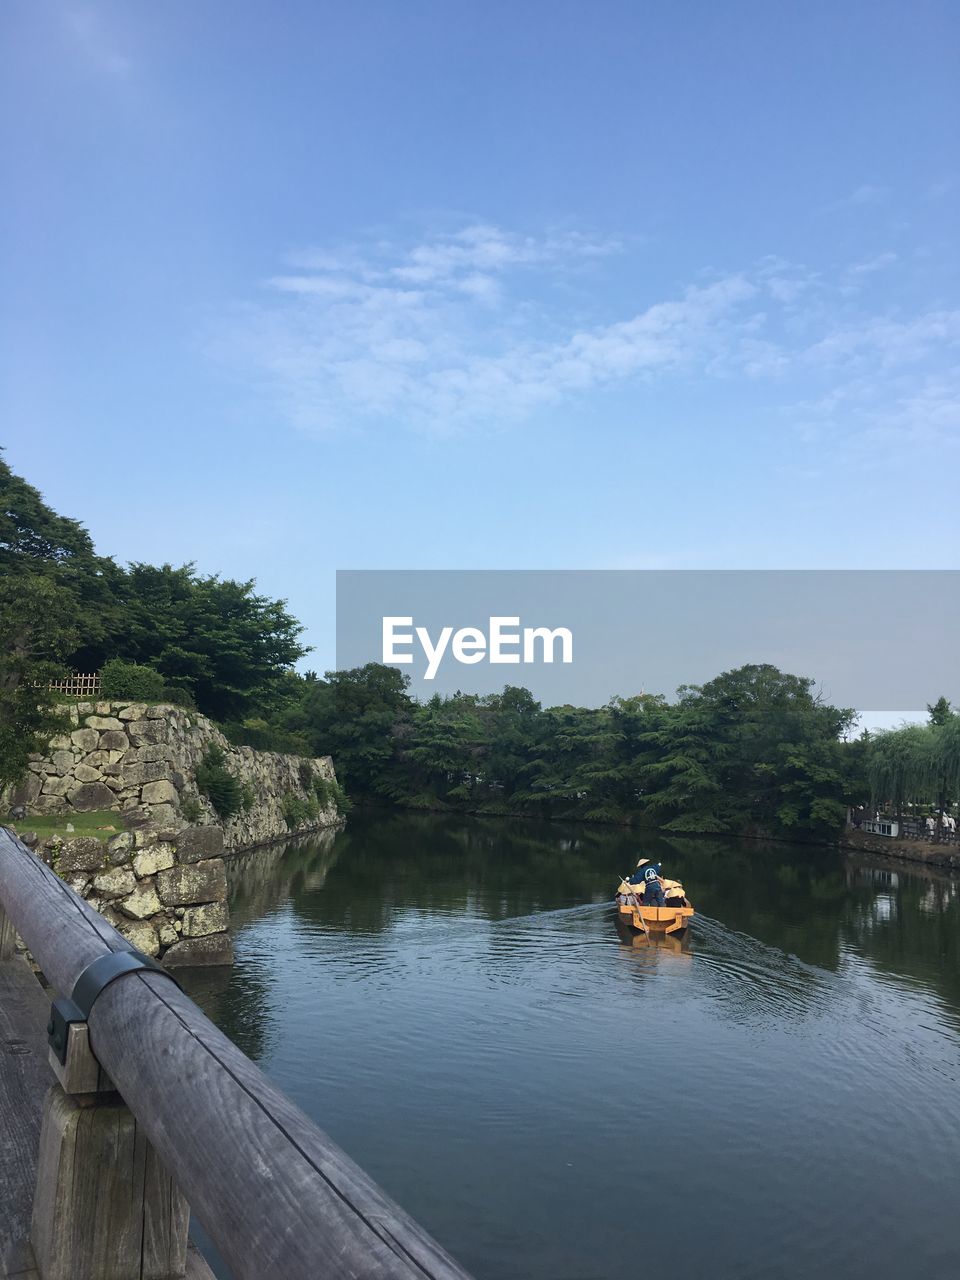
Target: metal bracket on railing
<point x="71" y="1057"/>
<point x="102" y="971"/>
<point x="63" y="1015"/>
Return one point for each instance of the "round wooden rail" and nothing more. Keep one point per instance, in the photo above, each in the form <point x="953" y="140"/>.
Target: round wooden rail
<point x="276" y="1195"/>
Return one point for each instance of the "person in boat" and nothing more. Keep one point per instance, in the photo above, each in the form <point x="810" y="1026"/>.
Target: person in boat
<point x="648" y="874"/>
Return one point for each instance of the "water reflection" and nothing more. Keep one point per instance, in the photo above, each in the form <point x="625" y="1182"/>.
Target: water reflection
<point x="453" y="1001"/>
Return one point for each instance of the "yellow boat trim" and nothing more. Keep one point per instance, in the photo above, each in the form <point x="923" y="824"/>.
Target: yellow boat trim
<point x="667" y="919"/>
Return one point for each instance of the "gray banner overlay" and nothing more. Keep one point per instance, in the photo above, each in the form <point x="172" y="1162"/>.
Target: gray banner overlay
<point x="871" y="639"/>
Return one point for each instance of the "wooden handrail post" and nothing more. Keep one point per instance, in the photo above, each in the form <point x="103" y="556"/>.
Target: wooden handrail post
<point x="276" y="1194"/>
<point x="8" y="936"/>
<point x="105" y="1208"/>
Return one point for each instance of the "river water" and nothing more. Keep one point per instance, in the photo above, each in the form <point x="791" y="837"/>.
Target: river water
<point x="777" y="1096"/>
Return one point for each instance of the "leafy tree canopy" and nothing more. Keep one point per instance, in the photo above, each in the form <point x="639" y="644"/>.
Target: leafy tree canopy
<point x="219" y="639"/>
<point x="753" y="748"/>
<point x="62" y="606"/>
<point x="47" y="571"/>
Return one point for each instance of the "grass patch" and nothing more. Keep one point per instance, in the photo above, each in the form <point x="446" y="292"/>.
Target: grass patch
<point x="102" y="823"/>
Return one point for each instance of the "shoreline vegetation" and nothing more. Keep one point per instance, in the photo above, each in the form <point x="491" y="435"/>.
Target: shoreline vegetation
<point x="755" y="750"/>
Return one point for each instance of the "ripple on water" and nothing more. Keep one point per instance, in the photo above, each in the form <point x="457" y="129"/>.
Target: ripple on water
<point x="524" y="1083"/>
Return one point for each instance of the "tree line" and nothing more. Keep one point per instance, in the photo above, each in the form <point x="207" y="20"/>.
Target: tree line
<point x="752" y="749"/>
<point x="917" y="766"/>
<point x="167" y="632"/>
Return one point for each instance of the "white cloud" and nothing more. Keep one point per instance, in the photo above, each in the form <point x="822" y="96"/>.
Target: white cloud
<point x="945" y="187"/>
<point x="904" y="425"/>
<point x="481" y="286"/>
<point x="866" y="194"/>
<point x="870" y="265"/>
<point x="464" y="330"/>
<point x="889" y="342"/>
<point x="787" y="282"/>
<point x="923" y="417"/>
<point x="480" y="251"/>
<point x="344" y="349"/>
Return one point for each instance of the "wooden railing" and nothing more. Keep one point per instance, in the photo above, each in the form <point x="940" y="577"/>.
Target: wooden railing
<point x="77" y="686"/>
<point x="276" y="1195"/>
<point x="908" y="828"/>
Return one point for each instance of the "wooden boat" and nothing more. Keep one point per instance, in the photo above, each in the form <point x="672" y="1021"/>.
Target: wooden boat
<point x="673" y="918"/>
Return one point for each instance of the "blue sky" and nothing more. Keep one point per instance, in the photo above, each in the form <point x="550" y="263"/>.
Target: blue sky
<point x="301" y="286"/>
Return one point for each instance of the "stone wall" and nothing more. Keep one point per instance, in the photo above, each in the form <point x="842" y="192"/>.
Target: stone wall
<point x="141" y="760"/>
<point x="167" y="895"/>
<point x="162" y="882"/>
<point x="946" y="856"/>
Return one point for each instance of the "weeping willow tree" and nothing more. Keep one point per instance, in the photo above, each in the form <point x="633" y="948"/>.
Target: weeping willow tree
<point x="916" y="764"/>
<point x="948" y="759"/>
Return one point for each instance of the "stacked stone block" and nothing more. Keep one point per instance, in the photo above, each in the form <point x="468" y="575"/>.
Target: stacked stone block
<point x="140" y="761"/>
<point x="165" y="891"/>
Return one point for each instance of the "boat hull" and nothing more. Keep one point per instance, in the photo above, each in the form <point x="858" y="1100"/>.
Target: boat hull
<point x="656" y="919"/>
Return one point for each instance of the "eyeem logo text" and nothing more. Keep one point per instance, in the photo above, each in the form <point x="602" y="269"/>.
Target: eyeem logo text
<point x="502" y="642"/>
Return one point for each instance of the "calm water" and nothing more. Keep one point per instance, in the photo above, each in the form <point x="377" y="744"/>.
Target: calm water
<point x="777" y="1097"/>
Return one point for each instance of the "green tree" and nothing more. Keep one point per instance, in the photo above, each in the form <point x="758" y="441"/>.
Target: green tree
<point x="754" y="746"/>
<point x="680" y="771"/>
<point x="634" y="723"/>
<point x="33" y="538"/>
<point x="939" y="712"/>
<point x="901" y="766"/>
<point x="48" y="577"/>
<point x="946" y="751"/>
<point x="445" y="750"/>
<point x="361" y="717"/>
<point x="513" y="723"/>
<point x="37" y="622"/>
<point x="219" y="639"/>
<point x="918" y="764"/>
